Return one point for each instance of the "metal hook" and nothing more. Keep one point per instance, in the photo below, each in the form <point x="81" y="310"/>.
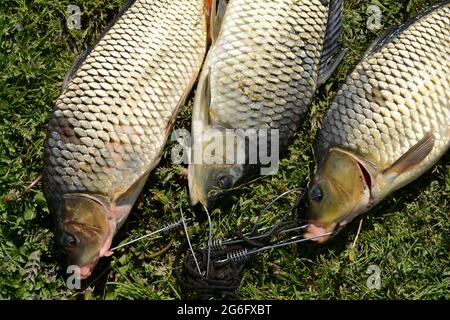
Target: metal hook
<point x="233" y="241"/>
<point x="209" y="241"/>
<point x="189" y="242"/>
<point x="269" y="206"/>
<point x="241" y="255"/>
<point x="168" y="227"/>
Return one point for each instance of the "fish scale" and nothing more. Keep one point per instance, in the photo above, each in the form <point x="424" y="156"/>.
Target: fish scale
<point x="260" y="74"/>
<point x="395" y="96"/>
<point x="262" y="69"/>
<point x="111" y="120"/>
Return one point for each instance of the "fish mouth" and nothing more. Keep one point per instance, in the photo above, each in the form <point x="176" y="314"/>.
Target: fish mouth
<point x="194" y="197"/>
<point x="103" y="251"/>
<point x="197" y="196"/>
<point x="316" y="229"/>
<point x="86" y="270"/>
<point x="208" y="202"/>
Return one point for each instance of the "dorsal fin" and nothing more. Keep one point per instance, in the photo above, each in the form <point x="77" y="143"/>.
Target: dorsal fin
<point x="75" y="66"/>
<point x="330" y="56"/>
<point x="395" y="30"/>
<point x="381" y="41"/>
<point x="82" y="57"/>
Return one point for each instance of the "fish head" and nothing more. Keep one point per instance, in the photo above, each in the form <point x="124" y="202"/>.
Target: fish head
<point x="212" y="176"/>
<point x="209" y="183"/>
<point x="84" y="231"/>
<point x="339" y="191"/>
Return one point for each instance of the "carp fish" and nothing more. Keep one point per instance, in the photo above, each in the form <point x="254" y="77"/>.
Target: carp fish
<point x="388" y="124"/>
<point x="113" y="117"/>
<point x="267" y="59"/>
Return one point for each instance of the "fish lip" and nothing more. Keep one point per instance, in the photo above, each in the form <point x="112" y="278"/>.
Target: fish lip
<point x="209" y="202"/>
<point x="316" y="228"/>
<point x="86" y="270"/>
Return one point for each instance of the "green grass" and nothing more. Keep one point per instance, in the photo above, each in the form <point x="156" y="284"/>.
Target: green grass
<point x="407" y="235"/>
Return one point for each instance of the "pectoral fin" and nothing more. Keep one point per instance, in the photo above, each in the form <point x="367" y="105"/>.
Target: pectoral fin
<point x="125" y="200"/>
<point x="411" y="158"/>
<point x="202" y="104"/>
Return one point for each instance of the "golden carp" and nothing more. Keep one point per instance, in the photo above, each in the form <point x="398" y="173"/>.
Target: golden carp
<point x="388" y="124"/>
<point x="113" y="117"/>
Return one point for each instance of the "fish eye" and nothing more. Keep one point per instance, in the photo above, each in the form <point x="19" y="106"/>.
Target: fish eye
<point x="68" y="240"/>
<point x="316" y="194"/>
<point x="225" y="182"/>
